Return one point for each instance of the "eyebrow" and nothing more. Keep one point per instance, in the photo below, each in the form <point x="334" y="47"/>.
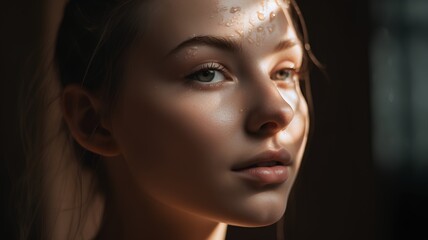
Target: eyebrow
<point x="226" y="44"/>
<point x="285" y="44"/>
<point x="217" y="42"/>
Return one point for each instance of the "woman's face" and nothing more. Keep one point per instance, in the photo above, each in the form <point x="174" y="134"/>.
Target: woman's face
<point x="210" y="102"/>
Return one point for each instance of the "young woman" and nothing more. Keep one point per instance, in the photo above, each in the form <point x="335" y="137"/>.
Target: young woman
<point x="183" y="116"/>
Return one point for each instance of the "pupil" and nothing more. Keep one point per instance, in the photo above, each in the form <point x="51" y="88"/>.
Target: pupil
<point x="283" y="74"/>
<point x="207" y="75"/>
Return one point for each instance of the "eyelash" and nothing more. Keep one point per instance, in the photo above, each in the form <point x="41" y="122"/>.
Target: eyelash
<point x="213" y="66"/>
<point x="208" y="66"/>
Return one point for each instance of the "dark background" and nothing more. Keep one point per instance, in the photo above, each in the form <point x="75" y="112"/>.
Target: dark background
<point x="345" y="189"/>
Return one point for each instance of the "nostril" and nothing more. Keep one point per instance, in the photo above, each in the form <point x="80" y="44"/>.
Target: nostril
<point x="268" y="127"/>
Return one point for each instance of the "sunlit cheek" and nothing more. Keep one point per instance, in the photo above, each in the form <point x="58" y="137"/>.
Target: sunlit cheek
<point x="296" y="130"/>
<point x="291" y="96"/>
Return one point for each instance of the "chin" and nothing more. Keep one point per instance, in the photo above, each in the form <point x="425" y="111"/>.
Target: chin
<point x="261" y="215"/>
<point x="259" y="221"/>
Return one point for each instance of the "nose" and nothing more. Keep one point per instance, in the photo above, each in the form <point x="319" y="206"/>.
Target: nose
<point x="269" y="112"/>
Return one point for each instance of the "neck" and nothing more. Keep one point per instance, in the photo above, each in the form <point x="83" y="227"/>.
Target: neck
<point x="127" y="216"/>
<point x="150" y="224"/>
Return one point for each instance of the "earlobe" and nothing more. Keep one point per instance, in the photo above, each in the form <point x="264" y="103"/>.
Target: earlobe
<point x="82" y="114"/>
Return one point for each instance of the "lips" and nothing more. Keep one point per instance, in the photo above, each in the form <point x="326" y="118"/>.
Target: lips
<point x="267" y="163"/>
<point x="266" y="159"/>
<point x="269" y="167"/>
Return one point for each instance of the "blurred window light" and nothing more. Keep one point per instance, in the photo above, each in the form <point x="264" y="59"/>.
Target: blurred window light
<point x="399" y="64"/>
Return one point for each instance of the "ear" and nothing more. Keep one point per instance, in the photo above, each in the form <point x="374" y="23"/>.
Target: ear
<point x="82" y="113"/>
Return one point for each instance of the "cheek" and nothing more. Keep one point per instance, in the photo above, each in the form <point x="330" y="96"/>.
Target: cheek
<point x="172" y="145"/>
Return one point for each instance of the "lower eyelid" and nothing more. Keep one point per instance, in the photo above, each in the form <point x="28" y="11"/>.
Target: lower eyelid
<point x="205" y="86"/>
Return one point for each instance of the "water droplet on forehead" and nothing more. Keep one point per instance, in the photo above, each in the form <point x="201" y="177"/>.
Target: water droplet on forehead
<point x="270" y="29"/>
<point x="251" y="22"/>
<point x="228" y="24"/>
<point x="272" y="16"/>
<point x="260" y="29"/>
<point x="260" y="16"/>
<point x="240" y="32"/>
<point x="235" y="9"/>
<point x="221" y="9"/>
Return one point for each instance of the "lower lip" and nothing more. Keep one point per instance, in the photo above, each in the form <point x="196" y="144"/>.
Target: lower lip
<point x="266" y="175"/>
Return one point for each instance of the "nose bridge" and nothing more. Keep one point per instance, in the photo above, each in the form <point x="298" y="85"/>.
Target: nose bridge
<point x="269" y="112"/>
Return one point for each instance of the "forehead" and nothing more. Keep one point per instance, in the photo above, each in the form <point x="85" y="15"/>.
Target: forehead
<point x="253" y="23"/>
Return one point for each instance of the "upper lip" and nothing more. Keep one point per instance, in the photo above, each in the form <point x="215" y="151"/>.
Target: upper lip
<point x="279" y="157"/>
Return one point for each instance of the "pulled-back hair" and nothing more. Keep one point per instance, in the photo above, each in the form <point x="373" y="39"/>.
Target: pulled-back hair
<point x="92" y="40"/>
<point x="56" y="185"/>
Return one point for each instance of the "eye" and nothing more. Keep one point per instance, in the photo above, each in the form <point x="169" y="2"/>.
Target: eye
<point x="208" y="76"/>
<point x="284" y="74"/>
<point x="208" y="73"/>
